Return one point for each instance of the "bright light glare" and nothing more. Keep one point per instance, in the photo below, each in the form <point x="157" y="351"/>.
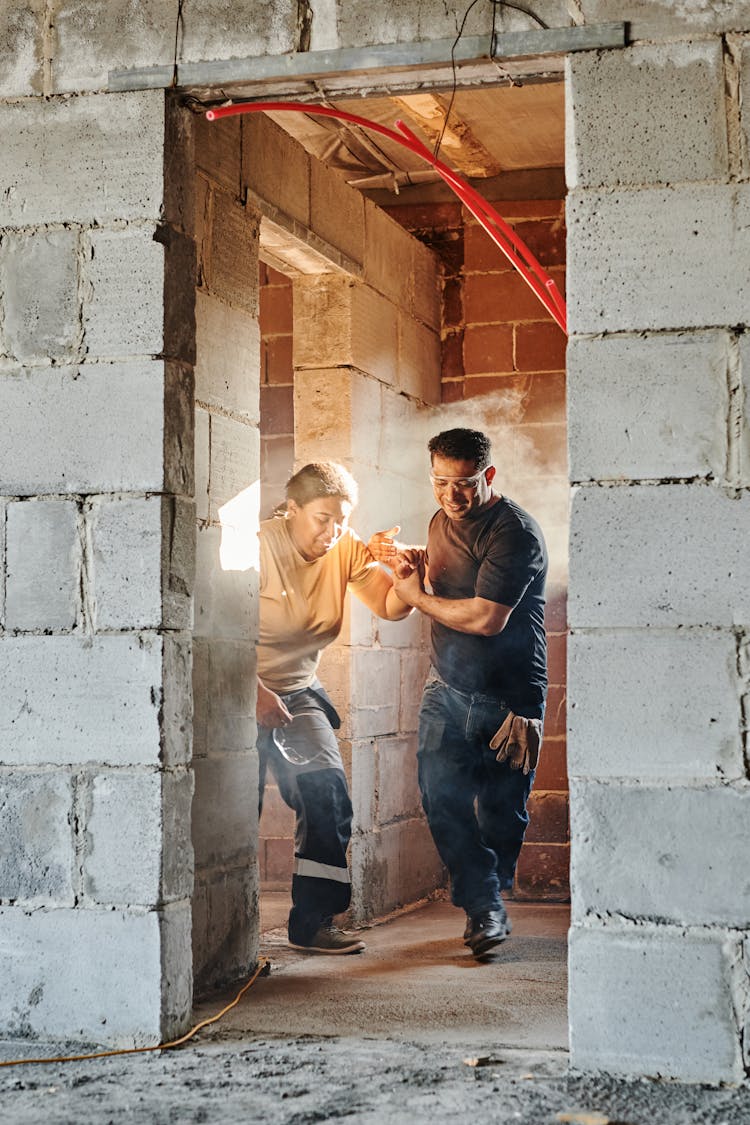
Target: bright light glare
<point x="239" y="530"/>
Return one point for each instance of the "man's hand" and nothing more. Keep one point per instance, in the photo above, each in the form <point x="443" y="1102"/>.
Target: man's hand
<point x="383" y="547"/>
<point x="408" y="574"/>
<point x="518" y="741"/>
<point x="409" y="559"/>
<point x="270" y="710"/>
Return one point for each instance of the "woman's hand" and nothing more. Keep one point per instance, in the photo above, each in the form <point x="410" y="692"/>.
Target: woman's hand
<point x="270" y="709"/>
<point x="383" y="547"/>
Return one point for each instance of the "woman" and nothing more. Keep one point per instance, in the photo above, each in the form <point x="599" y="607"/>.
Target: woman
<point x="308" y="560"/>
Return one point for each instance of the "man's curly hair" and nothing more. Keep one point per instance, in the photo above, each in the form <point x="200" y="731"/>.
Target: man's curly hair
<point x="462" y="445"/>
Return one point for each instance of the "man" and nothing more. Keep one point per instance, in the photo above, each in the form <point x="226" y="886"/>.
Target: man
<point x="482" y="710"/>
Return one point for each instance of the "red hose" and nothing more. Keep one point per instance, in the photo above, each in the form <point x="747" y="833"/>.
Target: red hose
<point x="504" y="237"/>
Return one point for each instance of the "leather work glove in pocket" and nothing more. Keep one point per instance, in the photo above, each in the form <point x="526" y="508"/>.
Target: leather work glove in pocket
<point x="518" y="741"/>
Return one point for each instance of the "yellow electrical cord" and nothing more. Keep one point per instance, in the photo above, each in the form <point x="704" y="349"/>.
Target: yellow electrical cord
<point x="262" y="965"/>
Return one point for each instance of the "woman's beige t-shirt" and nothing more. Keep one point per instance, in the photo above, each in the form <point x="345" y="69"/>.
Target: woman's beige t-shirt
<point x="302" y="603"/>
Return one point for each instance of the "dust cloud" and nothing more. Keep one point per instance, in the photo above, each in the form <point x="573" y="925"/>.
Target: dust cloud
<point x="530" y="459"/>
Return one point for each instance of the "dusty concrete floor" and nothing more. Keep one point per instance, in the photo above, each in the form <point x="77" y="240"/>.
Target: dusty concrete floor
<point x="407" y="1015"/>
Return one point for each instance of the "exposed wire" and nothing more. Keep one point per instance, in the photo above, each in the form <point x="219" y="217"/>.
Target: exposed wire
<point x="454" y="86"/>
<point x="262" y="967"/>
<point x="520" y="8"/>
<point x="493" y="42"/>
<point x="179" y="21"/>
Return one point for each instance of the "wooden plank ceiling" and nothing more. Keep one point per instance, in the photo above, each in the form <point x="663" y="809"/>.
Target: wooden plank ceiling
<point x="489" y="131"/>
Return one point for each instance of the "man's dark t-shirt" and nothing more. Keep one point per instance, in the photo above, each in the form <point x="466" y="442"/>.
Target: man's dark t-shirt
<point x="498" y="554"/>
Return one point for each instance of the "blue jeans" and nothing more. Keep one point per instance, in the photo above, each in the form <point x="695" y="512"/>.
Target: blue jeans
<point x="475" y="806"/>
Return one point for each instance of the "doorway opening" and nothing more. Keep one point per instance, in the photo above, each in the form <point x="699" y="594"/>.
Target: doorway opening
<point x="380" y="318"/>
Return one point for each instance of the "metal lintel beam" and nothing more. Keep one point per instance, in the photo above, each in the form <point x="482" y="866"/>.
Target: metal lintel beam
<point x="369" y="60"/>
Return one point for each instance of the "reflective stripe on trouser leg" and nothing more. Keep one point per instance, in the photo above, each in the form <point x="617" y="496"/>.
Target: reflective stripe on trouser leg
<point x="315" y="870"/>
<point x="321" y="884"/>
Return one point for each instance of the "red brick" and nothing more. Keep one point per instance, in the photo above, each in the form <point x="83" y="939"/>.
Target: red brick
<point x="557" y="647"/>
<point x="540" y="347"/>
<point x="276" y="310"/>
<point x="545" y="239"/>
<point x="275" y="277"/>
<point x="453" y="302"/>
<point x="481" y="254"/>
<point x="452" y="390"/>
<point x="277" y="359"/>
<point x="488" y="349"/>
<point x="449" y="247"/>
<point x="279" y="861"/>
<point x="556" y="613"/>
<point x="478" y="385"/>
<point x="543" y="872"/>
<point x="513" y="209"/>
<point x="549" y="818"/>
<point x="277" y="458"/>
<point x="544" y="400"/>
<point x="452" y="355"/>
<point x="496" y="298"/>
<point x="554" y="720"/>
<point x="423" y="216"/>
<point x="552" y="771"/>
<point x="535" y="399"/>
<point x="277" y="410"/>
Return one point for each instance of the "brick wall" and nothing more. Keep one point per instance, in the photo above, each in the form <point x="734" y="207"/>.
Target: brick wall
<point x="503" y="370"/>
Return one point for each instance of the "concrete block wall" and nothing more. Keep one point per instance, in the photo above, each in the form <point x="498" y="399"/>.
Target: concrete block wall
<point x="659" y="608"/>
<point x="227" y="452"/>
<point x="97" y="562"/>
<point x="503" y="370"/>
<point x="363" y="326"/>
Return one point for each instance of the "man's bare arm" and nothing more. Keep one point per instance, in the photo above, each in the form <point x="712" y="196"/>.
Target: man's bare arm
<point x="380" y="597"/>
<point x="479" y="616"/>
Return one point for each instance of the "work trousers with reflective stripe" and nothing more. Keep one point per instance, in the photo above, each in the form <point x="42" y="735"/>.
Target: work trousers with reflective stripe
<point x="317" y="791"/>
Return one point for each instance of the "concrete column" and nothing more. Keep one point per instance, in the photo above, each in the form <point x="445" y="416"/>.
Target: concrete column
<point x="96" y="356"/>
<point x="659" y="603"/>
<point x="365" y="361"/>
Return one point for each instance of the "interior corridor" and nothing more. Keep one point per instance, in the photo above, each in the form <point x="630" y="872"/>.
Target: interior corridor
<point x="415" y="982"/>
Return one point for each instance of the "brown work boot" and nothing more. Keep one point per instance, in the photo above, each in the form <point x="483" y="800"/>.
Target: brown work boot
<point x="329" y="939"/>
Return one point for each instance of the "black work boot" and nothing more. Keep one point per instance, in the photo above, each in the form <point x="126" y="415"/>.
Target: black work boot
<point x="487" y="930"/>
